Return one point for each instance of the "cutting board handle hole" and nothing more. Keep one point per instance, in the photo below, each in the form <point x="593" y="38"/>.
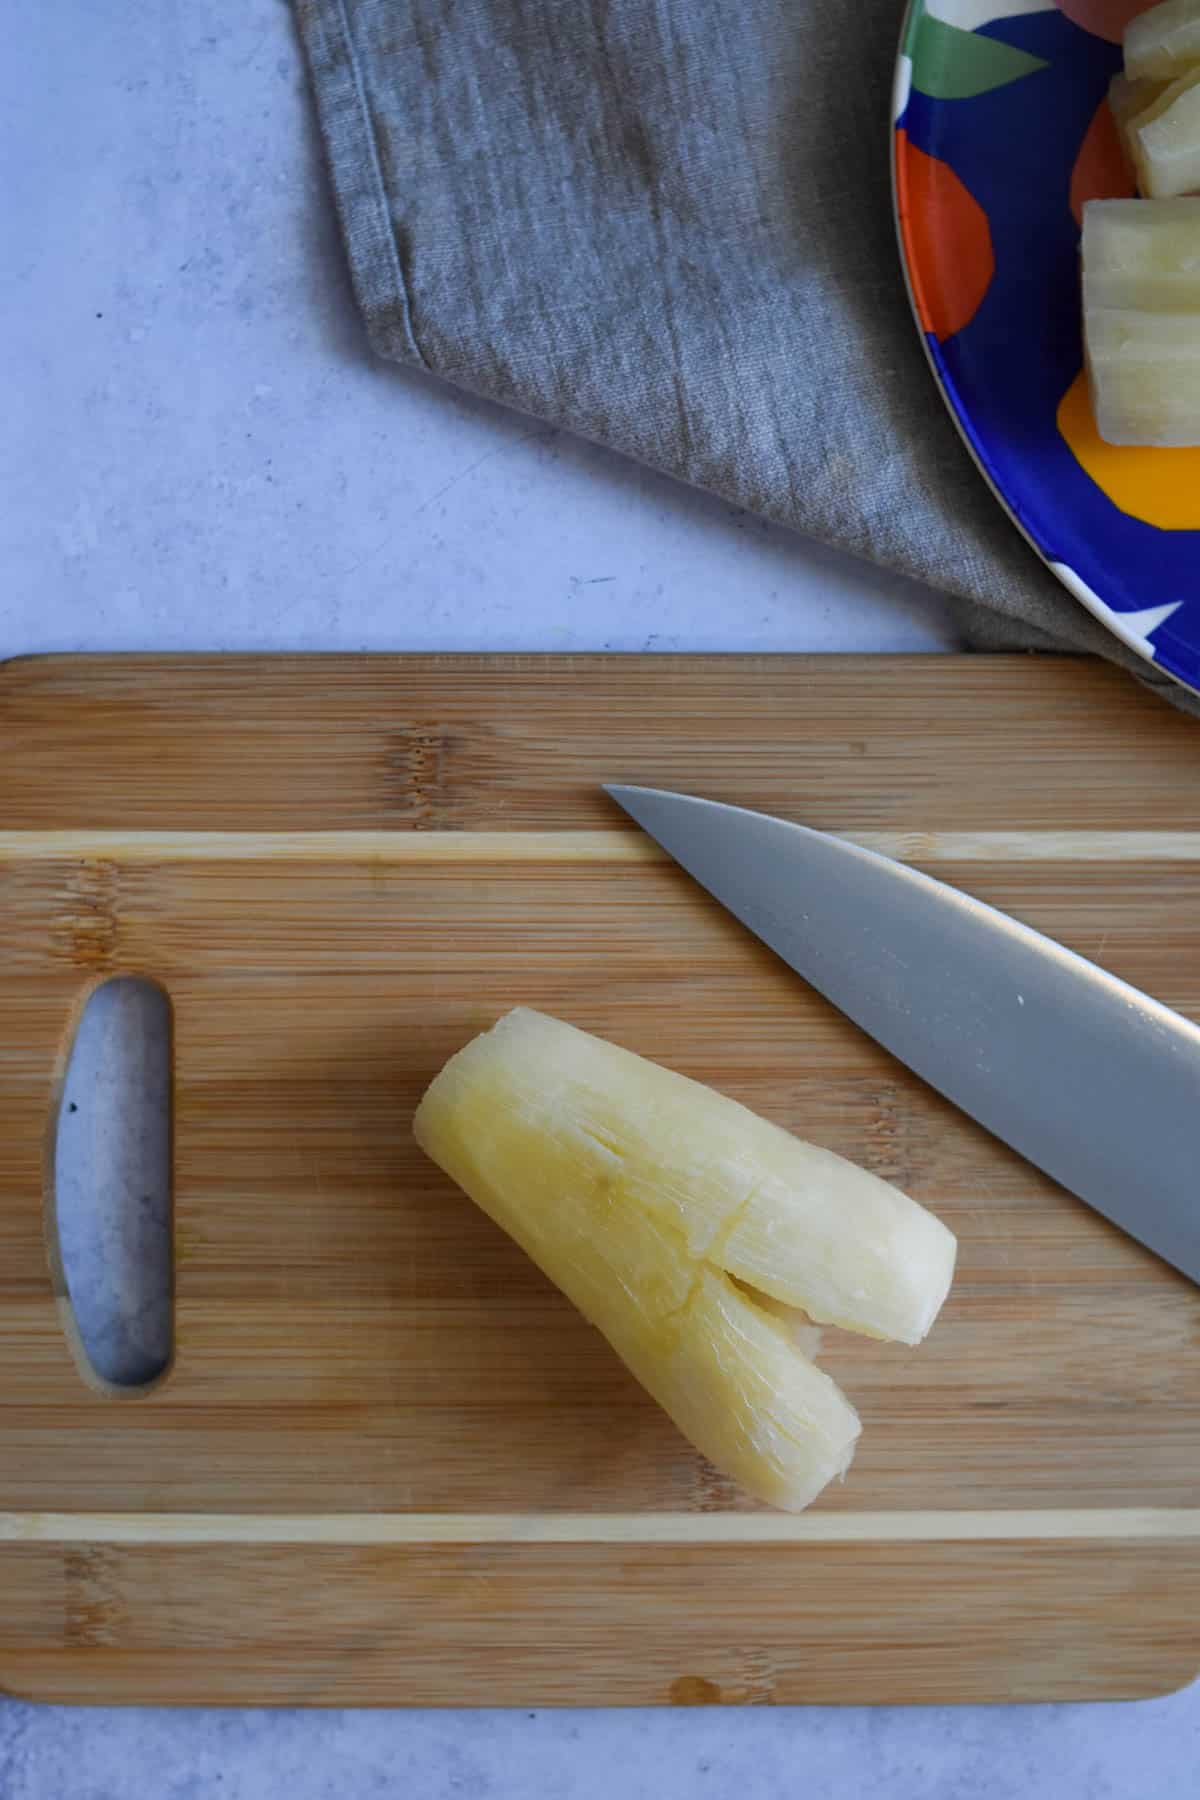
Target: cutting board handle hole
<point x="109" y="1199"/>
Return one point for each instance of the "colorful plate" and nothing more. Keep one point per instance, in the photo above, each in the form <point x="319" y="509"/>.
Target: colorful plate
<point x="1002" y="131"/>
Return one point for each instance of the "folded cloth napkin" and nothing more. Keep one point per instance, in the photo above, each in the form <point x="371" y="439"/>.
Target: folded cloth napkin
<point x="666" y="224"/>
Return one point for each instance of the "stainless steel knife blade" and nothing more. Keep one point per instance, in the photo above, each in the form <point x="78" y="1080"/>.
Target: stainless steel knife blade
<point x="1092" y="1081"/>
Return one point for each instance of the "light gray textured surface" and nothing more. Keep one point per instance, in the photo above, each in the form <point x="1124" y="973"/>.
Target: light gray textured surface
<point x="198" y="448"/>
<point x="215" y="461"/>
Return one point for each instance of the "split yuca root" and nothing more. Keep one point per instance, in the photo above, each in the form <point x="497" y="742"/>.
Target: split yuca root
<point x="1141" y="258"/>
<point x="692" y="1234"/>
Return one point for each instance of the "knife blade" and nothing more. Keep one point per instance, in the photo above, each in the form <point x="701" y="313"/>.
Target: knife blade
<point x="1089" y="1079"/>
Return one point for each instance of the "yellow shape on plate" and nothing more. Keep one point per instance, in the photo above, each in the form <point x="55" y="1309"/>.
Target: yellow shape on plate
<point x="1160" y="487"/>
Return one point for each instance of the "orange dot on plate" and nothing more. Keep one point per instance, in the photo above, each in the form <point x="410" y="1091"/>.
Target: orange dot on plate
<point x="1160" y="487"/>
<point x="947" y="240"/>
<point x="1102" y="170"/>
<point x="1104" y="18"/>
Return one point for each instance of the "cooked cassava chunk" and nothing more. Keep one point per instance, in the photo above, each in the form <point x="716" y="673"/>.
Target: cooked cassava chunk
<point x="1163" y="42"/>
<point x="1141" y="310"/>
<point x="690" y="1232"/>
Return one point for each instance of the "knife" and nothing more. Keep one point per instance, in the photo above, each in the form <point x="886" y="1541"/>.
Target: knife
<point x="1092" y="1081"/>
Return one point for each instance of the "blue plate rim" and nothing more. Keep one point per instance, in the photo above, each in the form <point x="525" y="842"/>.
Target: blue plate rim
<point x="1066" y="576"/>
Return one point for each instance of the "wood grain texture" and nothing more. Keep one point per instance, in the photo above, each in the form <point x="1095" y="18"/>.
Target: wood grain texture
<point x="390" y="1463"/>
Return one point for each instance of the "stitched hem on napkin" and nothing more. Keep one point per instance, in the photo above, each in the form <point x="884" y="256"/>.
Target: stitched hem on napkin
<point x="348" y="133"/>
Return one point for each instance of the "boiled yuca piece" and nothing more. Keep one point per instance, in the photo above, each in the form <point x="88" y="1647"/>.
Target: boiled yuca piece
<point x="796" y="1221"/>
<point x="1165" y="141"/>
<point x="1128" y="100"/>
<point x="1142" y="255"/>
<point x="741" y="1390"/>
<point x="642" y="1194"/>
<point x="1163" y="42"/>
<point x="1144" y="371"/>
<point x="1141" y="310"/>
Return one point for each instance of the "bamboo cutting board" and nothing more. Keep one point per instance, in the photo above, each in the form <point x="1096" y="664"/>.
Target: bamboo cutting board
<point x="390" y="1463"/>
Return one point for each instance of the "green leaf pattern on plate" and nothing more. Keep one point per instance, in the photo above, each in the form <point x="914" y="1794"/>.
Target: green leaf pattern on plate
<point x="951" y="64"/>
